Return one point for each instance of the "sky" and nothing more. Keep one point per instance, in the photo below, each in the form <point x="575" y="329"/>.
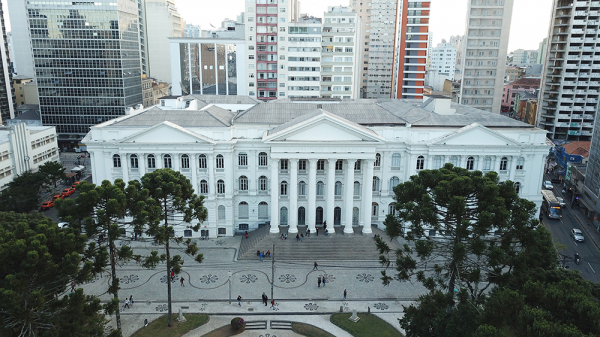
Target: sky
<point x="529" y="25"/>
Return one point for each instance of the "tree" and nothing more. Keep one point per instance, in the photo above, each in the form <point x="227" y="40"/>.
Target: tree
<point x="23" y="193"/>
<point x="53" y="171"/>
<point x="484" y="222"/>
<point x="98" y="209"/>
<point x="38" y="262"/>
<point x="167" y="199"/>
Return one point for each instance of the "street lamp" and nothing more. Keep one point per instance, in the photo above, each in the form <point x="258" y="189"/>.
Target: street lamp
<point x="229" y="280"/>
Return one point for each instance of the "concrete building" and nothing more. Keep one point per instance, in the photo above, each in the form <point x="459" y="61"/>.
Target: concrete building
<point x="192" y="30"/>
<point x="26" y="91"/>
<point x="484" y="53"/>
<point x="299" y="164"/>
<point x="541" y="54"/>
<point x="570" y="79"/>
<point x="443" y="60"/>
<point x="153" y="90"/>
<point x="522" y="57"/>
<point x="87" y="67"/>
<point x="510" y="90"/>
<point x="21" y="51"/>
<point x="302" y="60"/>
<point x="342" y="41"/>
<point x="24" y="148"/>
<point x="163" y="21"/>
<point x="7" y="92"/>
<point x="525" y="106"/>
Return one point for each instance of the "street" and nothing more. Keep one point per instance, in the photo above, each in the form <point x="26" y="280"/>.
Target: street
<point x="589" y="265"/>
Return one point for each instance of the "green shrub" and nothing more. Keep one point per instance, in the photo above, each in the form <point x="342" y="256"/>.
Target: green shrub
<point x="238" y="323"/>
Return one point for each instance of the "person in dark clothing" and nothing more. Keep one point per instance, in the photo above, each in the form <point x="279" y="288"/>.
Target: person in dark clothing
<point x="316" y="265"/>
<point x="265" y="299"/>
<point x="319" y="282"/>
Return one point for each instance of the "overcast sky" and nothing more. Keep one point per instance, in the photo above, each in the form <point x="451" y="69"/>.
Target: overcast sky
<point x="529" y="26"/>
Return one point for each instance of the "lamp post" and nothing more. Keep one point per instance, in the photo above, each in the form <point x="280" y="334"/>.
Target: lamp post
<point x="229" y="280"/>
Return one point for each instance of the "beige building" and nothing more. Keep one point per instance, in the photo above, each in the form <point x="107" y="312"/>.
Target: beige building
<point x="162" y="22"/>
<point x="153" y="90"/>
<point x="26" y="91"/>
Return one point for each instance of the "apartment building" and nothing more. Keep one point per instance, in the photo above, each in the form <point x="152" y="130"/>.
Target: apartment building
<point x="443" y="60"/>
<point x="340" y="56"/>
<point x="302" y="60"/>
<point x="571" y="76"/>
<point x="484" y="53"/>
<point x="7" y="92"/>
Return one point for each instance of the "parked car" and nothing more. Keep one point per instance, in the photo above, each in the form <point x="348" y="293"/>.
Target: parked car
<point x="63" y="225"/>
<point x="57" y="196"/>
<point x="75" y="184"/>
<point x="47" y="205"/>
<point x="548" y="185"/>
<point x="577" y="235"/>
<point x="561" y="201"/>
<point x="68" y="191"/>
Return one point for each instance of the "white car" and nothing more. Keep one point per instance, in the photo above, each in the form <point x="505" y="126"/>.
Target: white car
<point x="561" y="201"/>
<point x="548" y="185"/>
<point x="63" y="225"/>
<point x="577" y="235"/>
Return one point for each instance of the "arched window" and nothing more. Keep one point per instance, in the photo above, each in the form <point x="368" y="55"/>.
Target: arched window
<point x="470" y="163"/>
<point x="134" y="161"/>
<point x="454" y="160"/>
<point x="420" y="163"/>
<point x="376" y="184"/>
<point x="283" y="189"/>
<point x="220" y="187"/>
<point x="337" y="216"/>
<point x="283" y="216"/>
<point x="355" y="215"/>
<point x="116" y="160"/>
<point x="151" y="161"/>
<point x="242" y="159"/>
<point x="262" y="183"/>
<point x="374" y="209"/>
<point x="392" y="208"/>
<point x="185" y="161"/>
<point x="320" y="188"/>
<point x="243" y="183"/>
<point x="356" y="188"/>
<point x="518" y="187"/>
<point x="202" y="161"/>
<point x="221" y="212"/>
<point x="487" y="164"/>
<point x="167" y="161"/>
<point x="357" y="165"/>
<point x="283" y="164"/>
<point x="520" y="163"/>
<point x="377" y="160"/>
<point x="338" y="188"/>
<point x="503" y="164"/>
<point x="394" y="181"/>
<point x="262" y="159"/>
<point x="220" y="161"/>
<point x="437" y="162"/>
<point x="301" y="216"/>
<point x="263" y="210"/>
<point x="203" y="187"/>
<point x="396" y="160"/>
<point x="302" y="188"/>
<point x="243" y="210"/>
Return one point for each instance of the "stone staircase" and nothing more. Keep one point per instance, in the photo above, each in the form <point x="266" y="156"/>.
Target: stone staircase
<point x="281" y="325"/>
<point x="256" y="325"/>
<point x="333" y="247"/>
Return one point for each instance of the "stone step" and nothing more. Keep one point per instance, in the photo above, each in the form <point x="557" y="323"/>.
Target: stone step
<point x="256" y="325"/>
<point x="281" y="325"/>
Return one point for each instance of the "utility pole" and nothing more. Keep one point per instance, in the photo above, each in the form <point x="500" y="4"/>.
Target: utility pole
<point x="272" y="270"/>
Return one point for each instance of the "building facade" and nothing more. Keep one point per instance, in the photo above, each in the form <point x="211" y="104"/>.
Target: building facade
<point x="153" y="90"/>
<point x="87" y="63"/>
<point x="21" y="51"/>
<point x="521" y="57"/>
<point x="525" y="84"/>
<point x="570" y="78"/>
<point x="192" y="30"/>
<point x="7" y="92"/>
<point x="295" y="164"/>
<point x="484" y="53"/>
<point x="25" y="90"/>
<point x="443" y="60"/>
<point x="163" y="21"/>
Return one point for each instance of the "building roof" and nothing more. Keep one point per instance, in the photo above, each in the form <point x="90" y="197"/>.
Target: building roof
<point x="580" y="148"/>
<point x="29" y="115"/>
<point x="527" y="81"/>
<point x="210" y="116"/>
<point x="526" y="95"/>
<point x="224" y="99"/>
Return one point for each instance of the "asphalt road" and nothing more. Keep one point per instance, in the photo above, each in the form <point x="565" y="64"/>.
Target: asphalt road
<point x="589" y="265"/>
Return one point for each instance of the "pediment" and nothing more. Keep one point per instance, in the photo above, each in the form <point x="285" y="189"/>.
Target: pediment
<point x="474" y="134"/>
<point x="167" y="132"/>
<point x="322" y="126"/>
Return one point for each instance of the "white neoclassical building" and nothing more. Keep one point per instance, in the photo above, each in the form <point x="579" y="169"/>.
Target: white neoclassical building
<point x="303" y="162"/>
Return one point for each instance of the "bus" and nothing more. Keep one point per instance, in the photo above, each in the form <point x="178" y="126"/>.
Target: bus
<point x="551" y="205"/>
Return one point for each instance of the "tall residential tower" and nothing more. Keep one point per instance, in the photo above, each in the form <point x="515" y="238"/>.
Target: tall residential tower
<point x="7" y="91"/>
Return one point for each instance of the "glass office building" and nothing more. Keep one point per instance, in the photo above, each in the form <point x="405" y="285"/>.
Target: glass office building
<point x="87" y="61"/>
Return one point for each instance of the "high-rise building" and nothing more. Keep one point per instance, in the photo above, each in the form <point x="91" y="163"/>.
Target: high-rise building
<point x="87" y="62"/>
<point x="443" y="60"/>
<point x="303" y="59"/>
<point x="521" y="57"/>
<point x="541" y="55"/>
<point x="21" y="49"/>
<point x="485" y="47"/>
<point x="192" y="30"/>
<point x="7" y="92"/>
<point x="142" y="30"/>
<point x="162" y="22"/>
<point x="570" y="79"/>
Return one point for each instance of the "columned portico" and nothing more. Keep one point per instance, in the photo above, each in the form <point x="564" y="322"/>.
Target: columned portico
<point x="293" y="212"/>
<point x="274" y="195"/>
<point x="349" y="196"/>
<point x="367" y="195"/>
<point x="312" y="194"/>
<point x="330" y="194"/>
<point x="125" y="166"/>
<point x="142" y="164"/>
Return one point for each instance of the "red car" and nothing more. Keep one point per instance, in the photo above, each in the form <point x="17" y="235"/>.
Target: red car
<point x="57" y="196"/>
<point x="47" y="205"/>
<point x="75" y="184"/>
<point x="67" y="192"/>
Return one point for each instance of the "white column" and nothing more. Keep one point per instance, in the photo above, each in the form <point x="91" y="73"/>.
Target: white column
<point x="330" y="204"/>
<point x="367" y="195"/>
<point x="193" y="159"/>
<point x="349" y="203"/>
<point x="293" y="211"/>
<point x="512" y="167"/>
<point x="159" y="161"/>
<point x="312" y="194"/>
<point x="212" y="184"/>
<point x="216" y="71"/>
<point x="274" y="195"/>
<point x="108" y="166"/>
<point x="175" y="161"/>
<point x="142" y="164"/>
<point x="124" y="167"/>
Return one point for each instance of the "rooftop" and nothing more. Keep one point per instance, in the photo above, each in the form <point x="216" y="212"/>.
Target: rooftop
<point x="578" y="148"/>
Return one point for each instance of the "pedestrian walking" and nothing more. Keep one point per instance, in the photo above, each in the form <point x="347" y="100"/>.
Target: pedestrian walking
<point x="261" y="256"/>
<point x="297" y="237"/>
<point x="72" y="286"/>
<point x="126" y="306"/>
<point x="265" y="298"/>
<point x="319" y="282"/>
<point x="273" y="304"/>
<point x="239" y="299"/>
<point x="316" y="266"/>
<point x="301" y="237"/>
<point x="307" y="232"/>
<point x="172" y="275"/>
<point x="317" y="231"/>
<point x="324" y="280"/>
<point x="345" y="293"/>
<point x="131" y="299"/>
<point x="181" y="280"/>
<point x="246" y="234"/>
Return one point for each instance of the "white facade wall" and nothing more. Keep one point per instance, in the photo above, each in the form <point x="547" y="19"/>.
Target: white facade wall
<point x="21" y="50"/>
<point x="303" y="56"/>
<point x="443" y="60"/>
<point x="162" y="22"/>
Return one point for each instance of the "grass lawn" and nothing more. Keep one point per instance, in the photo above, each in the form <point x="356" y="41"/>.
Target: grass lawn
<point x="309" y="330"/>
<point x="159" y="328"/>
<point x="369" y="325"/>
